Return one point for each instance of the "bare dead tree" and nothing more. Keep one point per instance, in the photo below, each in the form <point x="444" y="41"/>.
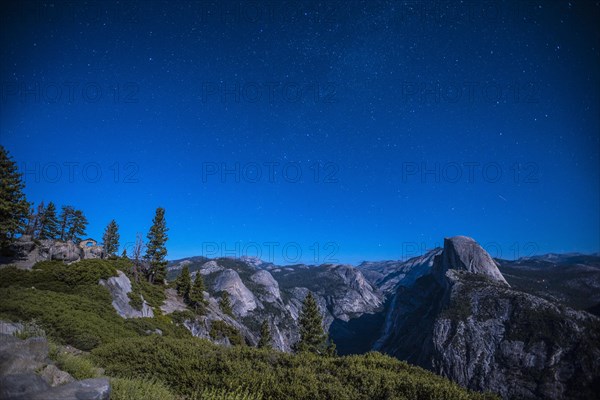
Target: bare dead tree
<point x="138" y="248"/>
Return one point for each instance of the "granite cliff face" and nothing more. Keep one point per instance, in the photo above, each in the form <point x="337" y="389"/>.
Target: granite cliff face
<point x="389" y="275"/>
<point x="494" y="338"/>
<point x="465" y="322"/>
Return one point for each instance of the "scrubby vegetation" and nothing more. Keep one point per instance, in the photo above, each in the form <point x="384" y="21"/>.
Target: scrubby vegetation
<point x="220" y="394"/>
<point x="139" y="389"/>
<point x="160" y="324"/>
<point x="220" y="330"/>
<point x="157" y="358"/>
<point x="79" y="366"/>
<point x="59" y="277"/>
<point x="185" y="365"/>
<point x="66" y="300"/>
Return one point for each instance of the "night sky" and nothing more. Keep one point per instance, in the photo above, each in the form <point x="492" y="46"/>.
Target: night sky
<point x="366" y="130"/>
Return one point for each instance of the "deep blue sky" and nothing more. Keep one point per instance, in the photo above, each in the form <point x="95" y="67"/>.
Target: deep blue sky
<point x="403" y="86"/>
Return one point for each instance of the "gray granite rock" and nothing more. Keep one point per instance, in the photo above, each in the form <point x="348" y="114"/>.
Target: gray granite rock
<point x="119" y="287"/>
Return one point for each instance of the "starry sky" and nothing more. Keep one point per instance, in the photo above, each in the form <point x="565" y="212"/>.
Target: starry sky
<point x="312" y="131"/>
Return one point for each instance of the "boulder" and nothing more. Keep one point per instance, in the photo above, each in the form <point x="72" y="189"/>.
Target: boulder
<point x="23" y="386"/>
<point x="93" y="252"/>
<point x="22" y="356"/>
<point x="10" y="328"/>
<point x="26" y="373"/>
<point x="54" y="376"/>
<point x="65" y="251"/>
<point x="88" y="389"/>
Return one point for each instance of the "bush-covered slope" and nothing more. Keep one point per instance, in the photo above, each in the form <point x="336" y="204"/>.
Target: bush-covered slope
<point x="186" y="365"/>
<point x="66" y="300"/>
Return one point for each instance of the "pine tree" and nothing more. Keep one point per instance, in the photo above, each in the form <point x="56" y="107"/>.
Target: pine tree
<point x="50" y="225"/>
<point x="111" y="239"/>
<point x="196" y="297"/>
<point x="225" y="304"/>
<point x="124" y="254"/>
<point x="184" y="283"/>
<point x="14" y="207"/>
<point x="156" y="251"/>
<point x="66" y="220"/>
<point x="331" y="348"/>
<point x="265" y="335"/>
<point x="35" y="223"/>
<point x="78" y="226"/>
<point x="312" y="335"/>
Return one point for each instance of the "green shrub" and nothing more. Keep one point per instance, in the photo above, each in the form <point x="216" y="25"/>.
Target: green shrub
<point x="153" y="294"/>
<point x="192" y="366"/>
<point x="79" y="366"/>
<point x="58" y="276"/>
<point x="84" y="272"/>
<point x="220" y="329"/>
<point x="139" y="389"/>
<point x="182" y="316"/>
<point x="164" y="323"/>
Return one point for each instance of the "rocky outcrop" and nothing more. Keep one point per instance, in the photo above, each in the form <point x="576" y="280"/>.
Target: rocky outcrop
<point x="172" y="302"/>
<point x="119" y="288"/>
<point x="210" y="267"/>
<point x="63" y="251"/>
<point x="27" y="251"/>
<point x="91" y="249"/>
<point x="26" y="373"/>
